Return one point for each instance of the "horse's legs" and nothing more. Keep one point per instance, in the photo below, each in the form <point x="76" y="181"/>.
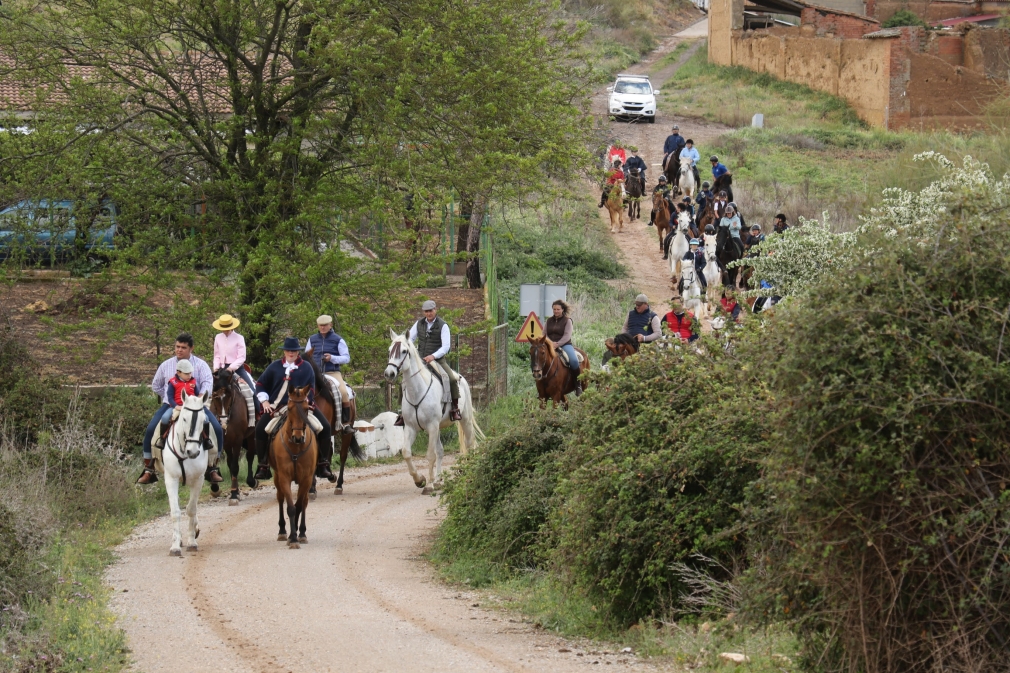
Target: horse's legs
<point x="408" y="441"/>
<point x="344" y="442"/>
<point x="172" y="488"/>
<point x="435" y="446"/>
<point x="293" y="515"/>
<point x="282" y="532"/>
<point x="233" y="450"/>
<point x="250" y="452"/>
<point x="194" y="499"/>
<point x="301" y="505"/>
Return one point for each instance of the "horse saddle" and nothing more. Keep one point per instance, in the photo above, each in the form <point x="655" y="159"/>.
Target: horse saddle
<point x="567" y="361"/>
<point x="277" y="421"/>
<point x="335" y="388"/>
<point x="247" y="395"/>
<point x="440" y="373"/>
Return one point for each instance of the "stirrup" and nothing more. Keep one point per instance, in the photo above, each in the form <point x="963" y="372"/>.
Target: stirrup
<point x="152" y="479"/>
<point x="347" y="429"/>
<point x="455" y="414"/>
<point x="323" y="471"/>
<point x="213" y="472"/>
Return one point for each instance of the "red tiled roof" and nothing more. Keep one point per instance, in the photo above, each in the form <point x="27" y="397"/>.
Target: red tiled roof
<point x="967" y="19"/>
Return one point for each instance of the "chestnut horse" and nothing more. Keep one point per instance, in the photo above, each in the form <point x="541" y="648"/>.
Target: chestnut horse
<point x="228" y="404"/>
<point x="621" y="346"/>
<point x="661" y="209"/>
<point x="293" y="455"/>
<point x="554" y="380"/>
<point x="636" y="189"/>
<point x="329" y="407"/>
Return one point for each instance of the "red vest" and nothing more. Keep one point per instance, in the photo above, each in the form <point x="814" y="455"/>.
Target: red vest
<point x="680" y="325"/>
<point x="178" y="386"/>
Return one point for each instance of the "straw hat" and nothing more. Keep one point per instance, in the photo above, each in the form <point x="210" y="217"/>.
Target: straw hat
<point x="226" y="322"/>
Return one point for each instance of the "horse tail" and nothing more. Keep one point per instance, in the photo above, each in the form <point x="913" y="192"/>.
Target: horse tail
<point x="355" y="449"/>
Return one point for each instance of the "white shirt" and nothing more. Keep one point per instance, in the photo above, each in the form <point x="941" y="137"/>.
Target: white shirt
<point x="441" y="352"/>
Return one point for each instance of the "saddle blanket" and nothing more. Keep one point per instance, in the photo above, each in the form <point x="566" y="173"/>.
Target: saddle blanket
<point x="564" y="358"/>
<point x="335" y="388"/>
<point x="446" y="390"/>
<point x="247" y="395"/>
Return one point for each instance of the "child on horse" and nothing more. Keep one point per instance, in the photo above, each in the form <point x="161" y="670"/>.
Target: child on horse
<point x="613" y="175"/>
<point x="558" y="329"/>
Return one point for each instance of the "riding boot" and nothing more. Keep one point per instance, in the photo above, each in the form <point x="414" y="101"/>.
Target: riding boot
<point x="262" y="468"/>
<point x="578" y="388"/>
<point x="323" y="470"/>
<point x="148" y="476"/>
<point x="345" y="420"/>
<point x="162" y="436"/>
<point x="454" y="412"/>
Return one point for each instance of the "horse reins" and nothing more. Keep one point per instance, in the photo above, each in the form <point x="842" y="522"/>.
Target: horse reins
<point x="284" y="440"/>
<point x="551" y="366"/>
<point x="399" y="370"/>
<point x="189" y="440"/>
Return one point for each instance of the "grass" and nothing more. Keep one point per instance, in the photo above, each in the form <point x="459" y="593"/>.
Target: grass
<point x="814" y="154"/>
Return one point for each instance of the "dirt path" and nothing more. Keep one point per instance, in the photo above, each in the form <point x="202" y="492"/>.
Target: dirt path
<point x="639" y="242"/>
<point x="355" y="598"/>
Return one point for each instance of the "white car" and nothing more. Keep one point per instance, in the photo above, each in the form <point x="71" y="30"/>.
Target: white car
<point x="632" y="96"/>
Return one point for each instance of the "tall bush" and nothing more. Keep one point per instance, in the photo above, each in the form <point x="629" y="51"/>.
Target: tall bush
<point x="885" y="507"/>
<point x="654" y="473"/>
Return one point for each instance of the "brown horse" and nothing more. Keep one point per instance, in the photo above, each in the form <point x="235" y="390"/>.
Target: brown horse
<point x="293" y="454"/>
<point x="330" y="409"/>
<point x="615" y="205"/>
<point x="636" y="190"/>
<point x="554" y="380"/>
<point x="707" y="216"/>
<point x="621" y="346"/>
<point x="661" y="209"/>
<point x="229" y="406"/>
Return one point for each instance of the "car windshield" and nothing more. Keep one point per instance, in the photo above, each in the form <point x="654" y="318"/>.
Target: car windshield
<point x="633" y="87"/>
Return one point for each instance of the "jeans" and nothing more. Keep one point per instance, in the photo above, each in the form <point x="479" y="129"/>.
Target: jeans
<point x="164" y="416"/>
<point x="573" y="359"/>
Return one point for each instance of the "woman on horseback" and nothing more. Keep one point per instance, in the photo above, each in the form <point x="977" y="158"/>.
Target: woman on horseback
<point x="731" y="220"/>
<point x="229" y="350"/>
<point x="558" y="329"/>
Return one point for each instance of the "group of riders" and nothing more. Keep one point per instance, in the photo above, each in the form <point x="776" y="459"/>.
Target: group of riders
<point x="185" y="374"/>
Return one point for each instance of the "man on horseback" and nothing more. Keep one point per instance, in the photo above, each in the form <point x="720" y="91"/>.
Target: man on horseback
<point x="689" y="152"/>
<point x="780" y="225"/>
<point x="272" y="388"/>
<point x="431" y="334"/>
<point x="558" y="329"/>
<point x="681" y="322"/>
<point x="229" y="351"/>
<point x="635" y="162"/>
<point x="204" y="384"/>
<point x="718" y="169"/>
<point x="663" y="188"/>
<point x="642" y="323"/>
<point x="703" y="198"/>
<point x="671" y="151"/>
<point x="329" y="351"/>
<point x="613" y="175"/>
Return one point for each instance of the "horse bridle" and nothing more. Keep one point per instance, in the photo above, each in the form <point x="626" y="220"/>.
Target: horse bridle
<point x="550" y="367"/>
<point x="305" y="428"/>
<point x="399" y="369"/>
<point x="189" y="440"/>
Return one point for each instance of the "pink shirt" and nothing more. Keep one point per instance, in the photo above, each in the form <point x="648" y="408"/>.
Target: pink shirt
<point x="229" y="349"/>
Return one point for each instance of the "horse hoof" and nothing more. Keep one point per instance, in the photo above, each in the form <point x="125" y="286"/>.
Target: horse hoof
<point x="282" y="538"/>
<point x="232" y="502"/>
<point x="312" y="495"/>
<point x="303" y="540"/>
<point x="427" y="490"/>
<point x="250" y="482"/>
<point x="175" y="552"/>
<point x="192" y="547"/>
<point x="293" y="545"/>
<point x="420" y="484"/>
<point x="338" y="491"/>
<point x="214" y="488"/>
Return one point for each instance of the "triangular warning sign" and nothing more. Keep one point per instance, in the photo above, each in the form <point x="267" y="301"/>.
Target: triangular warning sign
<point x="531" y="329"/>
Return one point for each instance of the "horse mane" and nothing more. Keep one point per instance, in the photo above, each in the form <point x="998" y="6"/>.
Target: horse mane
<point x="624" y="339"/>
<point x="550" y="346"/>
<point x="322" y="388"/>
<point x="416" y="357"/>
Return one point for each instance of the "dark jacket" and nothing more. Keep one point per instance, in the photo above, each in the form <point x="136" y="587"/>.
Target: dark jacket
<point x="635" y="162"/>
<point x="272" y="380"/>
<point x="674" y="144"/>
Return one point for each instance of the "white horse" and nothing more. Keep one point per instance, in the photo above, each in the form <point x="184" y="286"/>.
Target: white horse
<point x="686" y="183"/>
<point x="185" y="461"/>
<point x="690" y="288"/>
<point x="423" y="408"/>
<point x="679" y="245"/>
<point x="713" y="275"/>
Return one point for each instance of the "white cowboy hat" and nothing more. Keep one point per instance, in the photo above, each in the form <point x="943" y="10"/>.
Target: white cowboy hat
<point x="226" y="322"/>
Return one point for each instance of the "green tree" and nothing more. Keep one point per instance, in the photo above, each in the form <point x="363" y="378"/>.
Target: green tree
<point x="284" y="122"/>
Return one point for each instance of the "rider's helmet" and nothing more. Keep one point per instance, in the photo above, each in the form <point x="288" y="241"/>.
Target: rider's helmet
<point x="633" y="149"/>
<point x="714" y="159"/>
<point x="756" y="227"/>
<point x="695" y="241"/>
<point x="709" y="229"/>
<point x="662" y="178"/>
<point x="705" y="185"/>
<point x="676" y="128"/>
<point x="689" y="142"/>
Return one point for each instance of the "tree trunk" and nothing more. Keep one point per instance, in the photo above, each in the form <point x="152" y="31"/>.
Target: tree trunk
<point x="473" y="280"/>
<point x="465" y="213"/>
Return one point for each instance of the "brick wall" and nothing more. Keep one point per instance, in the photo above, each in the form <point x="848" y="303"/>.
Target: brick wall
<point x="829" y="24"/>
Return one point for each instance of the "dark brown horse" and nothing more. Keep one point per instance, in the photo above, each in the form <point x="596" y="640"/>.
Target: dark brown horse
<point x="621" y="346"/>
<point x="228" y="404"/>
<point x="661" y="208"/>
<point x="293" y="455"/>
<point x="329" y="407"/>
<point x="636" y="189"/>
<point x="724" y="183"/>
<point x="554" y="380"/>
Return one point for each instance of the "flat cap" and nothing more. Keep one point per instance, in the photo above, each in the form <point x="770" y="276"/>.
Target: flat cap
<point x="324" y="320"/>
<point x="428" y="305"/>
<point x="641" y="299"/>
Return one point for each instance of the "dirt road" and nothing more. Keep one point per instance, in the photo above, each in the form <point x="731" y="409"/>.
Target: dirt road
<point x="639" y="242"/>
<point x="355" y="598"/>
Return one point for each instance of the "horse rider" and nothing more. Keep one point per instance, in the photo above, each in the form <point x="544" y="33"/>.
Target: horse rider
<point x="635" y="162"/>
<point x="731" y="221"/>
<point x="696" y="255"/>
<point x="719" y="205"/>
<point x="718" y="169"/>
<point x="272" y="388"/>
<point x="689" y="152"/>
<point x="780" y="225"/>
<point x="558" y="330"/>
<point x="642" y="322"/>
<point x="204" y="384"/>
<point x="329" y="351"/>
<point x="681" y="322"/>
<point x="181" y="384"/>
<point x="433" y="342"/>
<point x="613" y="176"/>
<point x="703" y="198"/>
<point x="754" y="238"/>
<point x="664" y="188"/>
<point x="229" y="351"/>
<point x="672" y="146"/>
<point x="692" y="228"/>
<point x="729" y="304"/>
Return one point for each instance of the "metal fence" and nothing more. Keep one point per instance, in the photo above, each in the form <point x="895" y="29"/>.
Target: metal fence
<point x="483" y="360"/>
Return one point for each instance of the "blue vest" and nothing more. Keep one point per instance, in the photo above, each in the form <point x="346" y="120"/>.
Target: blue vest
<point x="640" y="323"/>
<point x="321" y="345"/>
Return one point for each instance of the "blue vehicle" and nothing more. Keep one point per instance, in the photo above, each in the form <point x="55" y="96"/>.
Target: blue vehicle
<point x="46" y="230"/>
